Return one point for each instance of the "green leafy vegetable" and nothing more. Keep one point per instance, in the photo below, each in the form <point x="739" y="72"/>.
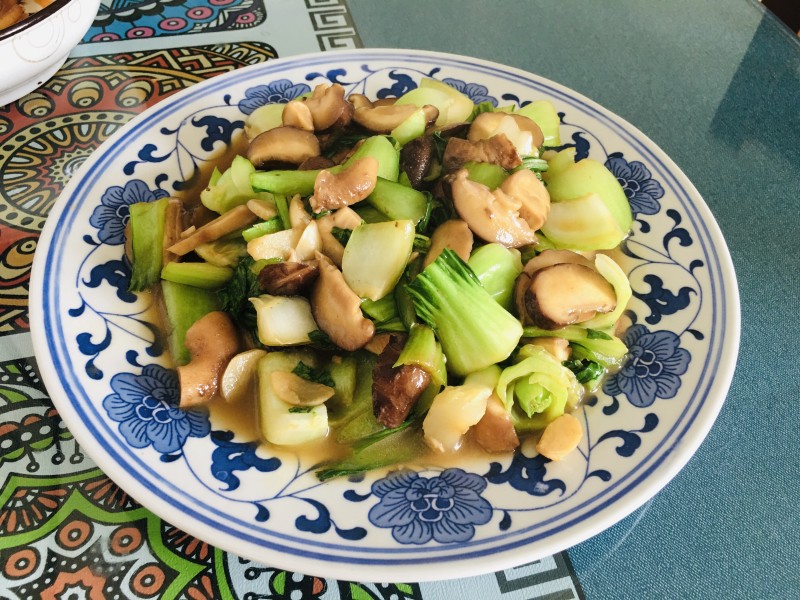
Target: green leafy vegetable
<point x="481" y="107"/>
<point x="198" y="274"/>
<point x="389" y="447"/>
<point x="537" y="388"/>
<point x="447" y="295"/>
<point x="586" y="370"/>
<point x="342" y="235"/>
<point x="147" y="237"/>
<point x="235" y="296"/>
<point x="232" y="188"/>
<point x="311" y="374"/>
<point x="263" y="228"/>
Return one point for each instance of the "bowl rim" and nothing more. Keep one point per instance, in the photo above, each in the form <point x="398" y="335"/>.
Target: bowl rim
<point x="33" y="19"/>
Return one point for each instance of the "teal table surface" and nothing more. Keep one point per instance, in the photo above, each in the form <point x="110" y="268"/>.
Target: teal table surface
<point x="717" y="86"/>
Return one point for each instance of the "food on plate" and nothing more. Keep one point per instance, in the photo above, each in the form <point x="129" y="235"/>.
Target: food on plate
<point x="400" y="278"/>
<point x="12" y="11"/>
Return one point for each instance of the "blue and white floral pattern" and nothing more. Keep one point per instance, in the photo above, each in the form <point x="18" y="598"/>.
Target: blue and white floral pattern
<point x="444" y="508"/>
<point x="277" y="92"/>
<point x="642" y="190"/>
<point x="653" y="369"/>
<point x="247" y="496"/>
<point x="111" y="216"/>
<point x="146" y="407"/>
<point x="476" y="92"/>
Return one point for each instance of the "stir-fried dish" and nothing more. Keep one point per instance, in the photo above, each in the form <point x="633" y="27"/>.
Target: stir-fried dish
<point x="14" y="11"/>
<point x="397" y="277"/>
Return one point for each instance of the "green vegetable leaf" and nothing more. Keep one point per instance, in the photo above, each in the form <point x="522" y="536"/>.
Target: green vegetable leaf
<point x="311" y="374"/>
<point x="481" y="107"/>
<point x="235" y="296"/>
<point x="594" y="334"/>
<point x="585" y="370"/>
<point x="321" y="341"/>
<point x="342" y="235"/>
<point x="300" y="409"/>
<point x="422" y="243"/>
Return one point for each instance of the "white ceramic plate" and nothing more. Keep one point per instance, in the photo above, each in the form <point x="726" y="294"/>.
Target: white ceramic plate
<point x="95" y="347"/>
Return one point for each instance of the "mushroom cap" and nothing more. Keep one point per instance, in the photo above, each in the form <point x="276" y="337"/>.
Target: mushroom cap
<point x="287" y="278"/>
<point x="354" y="184"/>
<point x="497" y="150"/>
<point x="516" y="127"/>
<point x="395" y="390"/>
<point x="454" y="234"/>
<point x="492" y="215"/>
<point x="382" y="119"/>
<point x="212" y="341"/>
<point x="297" y="114"/>
<point x="567" y="293"/>
<point x="495" y="431"/>
<point x="337" y="308"/>
<point x="532" y="194"/>
<point x="281" y="146"/>
<point x="546" y="258"/>
<point x="416" y="158"/>
<point x="328" y="107"/>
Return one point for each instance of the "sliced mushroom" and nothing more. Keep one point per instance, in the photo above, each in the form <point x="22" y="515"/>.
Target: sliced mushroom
<point x="497" y="150"/>
<point x="211" y="341"/>
<point x="378" y="343"/>
<point x="395" y="390"/>
<point x="382" y="119"/>
<point x="454" y="234"/>
<point x="551" y="257"/>
<point x="239" y="378"/>
<point x="495" y="432"/>
<point x="546" y="258"/>
<point x="416" y="159"/>
<point x="360" y="101"/>
<point x="297" y="114"/>
<point x="287" y="278"/>
<point x="308" y="244"/>
<point x="295" y="390"/>
<point x="235" y="219"/>
<point x="523" y="132"/>
<point x="328" y="107"/>
<point x="354" y="184"/>
<point x="453" y="130"/>
<point x="315" y="163"/>
<point x="567" y="293"/>
<point x="508" y="215"/>
<point x="337" y="308"/>
<point x="531" y="192"/>
<point x="282" y="146"/>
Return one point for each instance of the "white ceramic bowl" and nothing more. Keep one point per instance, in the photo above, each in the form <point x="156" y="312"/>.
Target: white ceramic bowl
<point x="35" y="48"/>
